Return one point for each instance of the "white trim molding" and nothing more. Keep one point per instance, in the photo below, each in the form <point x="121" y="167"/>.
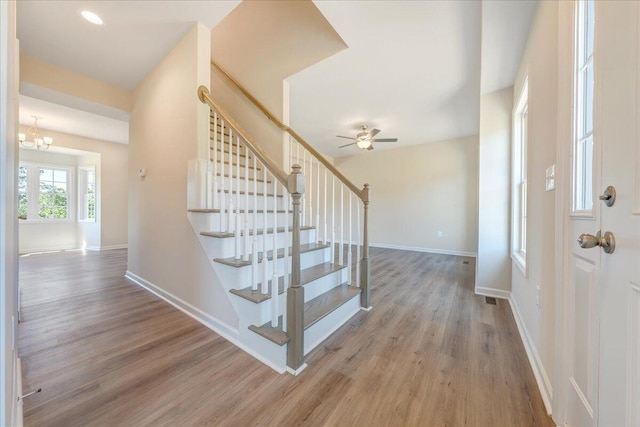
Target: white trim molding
<point x="493" y="292"/>
<point x="422" y="249"/>
<point x="228" y="332"/>
<point x="107" y="248"/>
<point x="544" y="385"/>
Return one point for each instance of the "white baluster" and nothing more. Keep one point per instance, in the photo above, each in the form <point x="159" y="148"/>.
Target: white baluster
<point x="265" y="264"/>
<point x="230" y="180"/>
<point x="324" y="200"/>
<point x="237" y="179"/>
<point x="310" y="173"/>
<point x="286" y="240"/>
<point x="349" y="254"/>
<point x="209" y="180"/>
<point x="216" y="202"/>
<point x="318" y="204"/>
<point x="223" y="196"/>
<point x="274" y="276"/>
<point x="358" y="247"/>
<point x="254" y="265"/>
<point x="223" y="212"/>
<point x="245" y="253"/>
<point x="238" y="234"/>
<point x="255" y="224"/>
<point x="304" y="195"/>
<point x="287" y="263"/>
<point x="333" y="218"/>
<point x="341" y="249"/>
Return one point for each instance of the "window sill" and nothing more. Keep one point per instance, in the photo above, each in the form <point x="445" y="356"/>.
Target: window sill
<point x="47" y="221"/>
<point x="520" y="261"/>
<point x="90" y="221"/>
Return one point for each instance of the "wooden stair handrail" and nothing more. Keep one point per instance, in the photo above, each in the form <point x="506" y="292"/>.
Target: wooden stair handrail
<point x="357" y="191"/>
<point x="255" y="148"/>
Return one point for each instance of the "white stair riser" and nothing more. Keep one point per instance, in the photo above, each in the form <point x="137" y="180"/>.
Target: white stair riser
<point x="318" y="332"/>
<point x="324" y="284"/>
<point x="241" y="203"/>
<point x="224" y="182"/>
<point x="210" y="221"/>
<point x="240" y="277"/>
<point x="225" y="247"/>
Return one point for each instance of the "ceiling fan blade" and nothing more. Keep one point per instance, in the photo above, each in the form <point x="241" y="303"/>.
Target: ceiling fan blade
<point x="353" y="143"/>
<point x="346" y="137"/>
<point x="384" y="140"/>
<point x="369" y="148"/>
<point x="374" y="132"/>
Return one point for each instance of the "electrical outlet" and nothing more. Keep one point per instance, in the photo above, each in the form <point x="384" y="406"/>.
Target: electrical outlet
<point x="440" y="234"/>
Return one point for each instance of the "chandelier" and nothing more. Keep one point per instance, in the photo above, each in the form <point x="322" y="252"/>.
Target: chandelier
<point x="40" y="143"/>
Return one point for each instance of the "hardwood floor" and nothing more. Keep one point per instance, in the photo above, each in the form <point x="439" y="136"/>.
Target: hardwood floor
<point x="430" y="353"/>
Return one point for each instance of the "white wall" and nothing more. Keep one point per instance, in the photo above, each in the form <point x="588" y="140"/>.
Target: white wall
<point x="540" y="63"/>
<point x="166" y="130"/>
<point x="8" y="212"/>
<point x="493" y="268"/>
<point x="419" y="190"/>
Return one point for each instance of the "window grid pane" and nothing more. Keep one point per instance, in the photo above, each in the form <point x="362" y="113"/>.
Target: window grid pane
<point x="53" y="200"/>
<point x="584" y="101"/>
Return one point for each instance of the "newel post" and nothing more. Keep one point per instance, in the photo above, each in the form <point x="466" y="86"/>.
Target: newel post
<point x="365" y="272"/>
<point x="295" y="294"/>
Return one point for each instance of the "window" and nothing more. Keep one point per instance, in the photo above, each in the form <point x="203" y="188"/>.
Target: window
<point x="87" y="193"/>
<point x="519" y="178"/>
<point x="44" y="192"/>
<point x="582" y="188"/>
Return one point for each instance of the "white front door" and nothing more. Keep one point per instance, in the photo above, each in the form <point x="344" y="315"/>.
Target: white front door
<point x="619" y="279"/>
<point x="602" y="297"/>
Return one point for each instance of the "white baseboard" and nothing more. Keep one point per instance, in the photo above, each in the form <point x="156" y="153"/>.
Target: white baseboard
<point x="107" y="248"/>
<point x="492" y="292"/>
<point x="421" y="249"/>
<point x="539" y="372"/>
<point x="113" y="247"/>
<point x="226" y="331"/>
<point x="297" y="371"/>
<point x="50" y="249"/>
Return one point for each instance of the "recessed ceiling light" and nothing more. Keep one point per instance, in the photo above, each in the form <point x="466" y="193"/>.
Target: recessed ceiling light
<point x="91" y="17"/>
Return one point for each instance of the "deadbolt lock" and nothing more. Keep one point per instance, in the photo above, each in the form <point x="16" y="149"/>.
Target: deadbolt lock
<point x="609" y="196"/>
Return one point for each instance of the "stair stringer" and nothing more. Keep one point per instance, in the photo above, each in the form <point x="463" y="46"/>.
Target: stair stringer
<point x="267" y="352"/>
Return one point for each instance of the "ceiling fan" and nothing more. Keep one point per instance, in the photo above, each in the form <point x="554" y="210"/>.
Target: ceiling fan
<point x="364" y="138"/>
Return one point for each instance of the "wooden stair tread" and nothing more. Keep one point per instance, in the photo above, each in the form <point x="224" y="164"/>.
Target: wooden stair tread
<point x="251" y="193"/>
<point x="233" y="262"/>
<point x="235" y="165"/>
<point x="234" y="154"/>
<point x="226" y="175"/>
<point x="314" y="311"/>
<point x="306" y="276"/>
<point x="222" y="235"/>
<point x="205" y="210"/>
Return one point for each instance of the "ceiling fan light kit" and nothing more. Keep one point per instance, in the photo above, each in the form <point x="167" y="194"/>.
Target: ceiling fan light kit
<point x="364" y="139"/>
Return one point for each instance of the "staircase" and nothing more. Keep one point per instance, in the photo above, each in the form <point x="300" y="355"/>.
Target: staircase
<point x="287" y="247"/>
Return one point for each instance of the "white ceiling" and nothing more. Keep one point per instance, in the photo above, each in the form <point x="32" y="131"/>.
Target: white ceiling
<point x="412" y="68"/>
<point x="135" y="36"/>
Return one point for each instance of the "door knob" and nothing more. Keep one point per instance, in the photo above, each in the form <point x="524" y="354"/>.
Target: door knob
<point x="607" y="242"/>
<point x="609" y="196"/>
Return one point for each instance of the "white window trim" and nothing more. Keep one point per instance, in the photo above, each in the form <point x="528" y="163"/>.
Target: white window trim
<point x="519" y="257"/>
<point x="32" y="208"/>
<point x="81" y="189"/>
